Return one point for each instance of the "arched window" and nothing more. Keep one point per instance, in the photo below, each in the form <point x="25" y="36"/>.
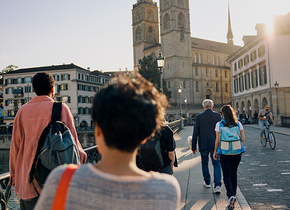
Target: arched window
<point x="166" y="22"/>
<point x="138" y="15"/>
<point x="138" y="34"/>
<point x="150" y="15"/>
<point x="150" y="34"/>
<point x="181" y="20"/>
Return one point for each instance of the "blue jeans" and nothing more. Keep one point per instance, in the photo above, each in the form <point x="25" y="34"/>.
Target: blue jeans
<point x="216" y="167"/>
<point x="230" y="165"/>
<point x="262" y="124"/>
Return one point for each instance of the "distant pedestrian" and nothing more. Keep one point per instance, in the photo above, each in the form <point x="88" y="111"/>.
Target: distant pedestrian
<point x="205" y="135"/>
<point x="125" y="113"/>
<point x="247" y="118"/>
<point x="241" y="117"/>
<point x="30" y="121"/>
<point x="229" y="162"/>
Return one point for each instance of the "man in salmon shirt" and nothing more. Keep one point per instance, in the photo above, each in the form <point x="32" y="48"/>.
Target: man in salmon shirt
<point x="30" y="121"/>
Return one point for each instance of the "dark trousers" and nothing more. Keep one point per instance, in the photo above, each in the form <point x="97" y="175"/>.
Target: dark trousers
<point x="28" y="204"/>
<point x="230" y="165"/>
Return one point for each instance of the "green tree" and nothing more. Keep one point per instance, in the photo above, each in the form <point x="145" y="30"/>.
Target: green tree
<point x="9" y="68"/>
<point x="149" y="70"/>
<point x="5" y="70"/>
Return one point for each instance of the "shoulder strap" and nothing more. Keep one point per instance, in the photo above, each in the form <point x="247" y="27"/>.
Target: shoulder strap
<point x="56" y="111"/>
<point x="63" y="186"/>
<point x="55" y="116"/>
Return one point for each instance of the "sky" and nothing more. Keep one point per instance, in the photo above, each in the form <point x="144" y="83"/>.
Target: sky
<point x="98" y="33"/>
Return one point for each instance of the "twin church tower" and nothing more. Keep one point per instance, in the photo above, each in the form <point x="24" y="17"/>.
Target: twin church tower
<point x="177" y="46"/>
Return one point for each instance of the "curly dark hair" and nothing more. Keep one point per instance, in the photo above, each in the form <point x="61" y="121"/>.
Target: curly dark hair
<point x="128" y="111"/>
<point x="42" y="83"/>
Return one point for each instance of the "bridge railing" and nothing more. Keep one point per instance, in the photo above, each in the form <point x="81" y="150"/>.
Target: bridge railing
<point x="93" y="156"/>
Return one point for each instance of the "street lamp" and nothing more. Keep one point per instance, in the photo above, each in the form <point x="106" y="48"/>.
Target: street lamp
<point x="277" y="86"/>
<point x="185" y="101"/>
<point x="160" y="63"/>
<point x="180" y="91"/>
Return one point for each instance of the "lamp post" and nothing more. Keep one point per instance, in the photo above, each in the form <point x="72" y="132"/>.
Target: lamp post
<point x="160" y="63"/>
<point x="277" y="86"/>
<point x="180" y="91"/>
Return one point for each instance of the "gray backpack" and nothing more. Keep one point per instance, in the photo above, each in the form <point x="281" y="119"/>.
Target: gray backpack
<point x="56" y="146"/>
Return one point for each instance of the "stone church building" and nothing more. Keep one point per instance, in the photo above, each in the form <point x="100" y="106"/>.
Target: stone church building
<point x="198" y="65"/>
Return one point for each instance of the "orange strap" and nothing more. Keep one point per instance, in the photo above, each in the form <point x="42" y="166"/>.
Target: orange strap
<point x="62" y="189"/>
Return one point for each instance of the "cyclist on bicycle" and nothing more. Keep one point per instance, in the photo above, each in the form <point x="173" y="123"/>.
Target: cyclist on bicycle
<point x="264" y="116"/>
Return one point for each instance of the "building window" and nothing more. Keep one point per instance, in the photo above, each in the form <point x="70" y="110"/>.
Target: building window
<point x="207" y="72"/>
<point x="65" y="77"/>
<point x="246" y="59"/>
<point x="263" y="75"/>
<point x="80" y="99"/>
<point x="217" y="60"/>
<point x="66" y="99"/>
<point x="196" y="71"/>
<point x="217" y="88"/>
<point x="56" y="77"/>
<point x="80" y="110"/>
<point x="254" y="78"/>
<point x="27" y="89"/>
<point x="235" y="66"/>
<point x="253" y="55"/>
<point x="64" y="86"/>
<point x="166" y="22"/>
<point x="168" y="84"/>
<point x="226" y="74"/>
<point x="27" y="79"/>
<point x="195" y="58"/>
<point x="184" y="85"/>
<point x="216" y="73"/>
<point x="200" y="58"/>
<point x="196" y="86"/>
<point x="213" y="60"/>
<point x="261" y="51"/>
<point x="226" y="87"/>
<point x="19" y="81"/>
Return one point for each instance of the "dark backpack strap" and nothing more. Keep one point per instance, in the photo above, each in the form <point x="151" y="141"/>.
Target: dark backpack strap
<point x="55" y="116"/>
<point x="56" y="111"/>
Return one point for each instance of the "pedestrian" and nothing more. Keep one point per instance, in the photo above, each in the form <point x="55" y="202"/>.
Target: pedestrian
<point x="204" y="133"/>
<point x="167" y="147"/>
<point x="256" y="117"/>
<point x="229" y="162"/>
<point x="125" y="113"/>
<point x="241" y="117"/>
<point x="247" y="118"/>
<point x="30" y="121"/>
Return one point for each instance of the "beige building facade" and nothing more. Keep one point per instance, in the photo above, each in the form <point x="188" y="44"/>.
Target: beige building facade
<point x="197" y="65"/>
<point x="74" y="86"/>
<point x="261" y="63"/>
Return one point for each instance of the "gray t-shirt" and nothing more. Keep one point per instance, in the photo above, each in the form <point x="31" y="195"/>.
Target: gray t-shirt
<point x="91" y="188"/>
<point x="262" y="113"/>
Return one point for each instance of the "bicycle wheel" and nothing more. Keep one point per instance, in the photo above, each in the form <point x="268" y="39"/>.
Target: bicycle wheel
<point x="272" y="140"/>
<point x="264" y="141"/>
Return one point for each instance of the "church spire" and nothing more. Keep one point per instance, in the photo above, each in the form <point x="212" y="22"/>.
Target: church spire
<point x="230" y="35"/>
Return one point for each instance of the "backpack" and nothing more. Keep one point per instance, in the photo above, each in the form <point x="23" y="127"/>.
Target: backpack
<point x="56" y="146"/>
<point x="230" y="140"/>
<point x="150" y="155"/>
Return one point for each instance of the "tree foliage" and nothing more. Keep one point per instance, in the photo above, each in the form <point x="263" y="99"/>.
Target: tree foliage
<point x="9" y="68"/>
<point x="149" y="70"/>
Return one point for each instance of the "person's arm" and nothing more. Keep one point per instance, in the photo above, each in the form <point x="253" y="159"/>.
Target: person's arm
<point x="216" y="144"/>
<point x="14" y="148"/>
<point x="242" y="135"/>
<point x="195" y="135"/>
<point x="260" y="117"/>
<point x="271" y="117"/>
<point x="171" y="156"/>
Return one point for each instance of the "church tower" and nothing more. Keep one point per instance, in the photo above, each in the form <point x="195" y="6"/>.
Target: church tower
<point x="145" y="30"/>
<point x="176" y="47"/>
<point x="230" y="36"/>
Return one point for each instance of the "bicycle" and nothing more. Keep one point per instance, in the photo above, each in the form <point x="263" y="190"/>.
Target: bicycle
<point x="268" y="137"/>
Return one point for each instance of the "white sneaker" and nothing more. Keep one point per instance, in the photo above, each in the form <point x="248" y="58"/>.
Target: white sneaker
<point x="206" y="185"/>
<point x="232" y="201"/>
<point x="217" y="190"/>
